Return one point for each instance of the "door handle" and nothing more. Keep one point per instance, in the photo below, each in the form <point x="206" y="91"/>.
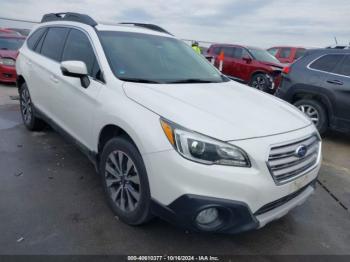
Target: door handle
<point x="54" y="79"/>
<point x="335" y="82"/>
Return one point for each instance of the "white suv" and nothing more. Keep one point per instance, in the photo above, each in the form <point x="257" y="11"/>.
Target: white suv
<point x="169" y="134"/>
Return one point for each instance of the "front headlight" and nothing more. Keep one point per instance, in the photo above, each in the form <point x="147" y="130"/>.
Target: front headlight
<point x="203" y="149"/>
<point x="7" y="61"/>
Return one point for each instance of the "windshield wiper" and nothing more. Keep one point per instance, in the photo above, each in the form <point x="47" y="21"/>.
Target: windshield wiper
<point x="139" y="80"/>
<point x="191" y="80"/>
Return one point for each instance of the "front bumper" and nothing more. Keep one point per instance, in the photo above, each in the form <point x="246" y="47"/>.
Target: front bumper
<point x="171" y="177"/>
<point x="234" y="216"/>
<point x="8" y="74"/>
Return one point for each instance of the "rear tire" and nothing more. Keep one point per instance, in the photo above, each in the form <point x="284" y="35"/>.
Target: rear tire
<point x="31" y="122"/>
<point x="316" y="112"/>
<point x="125" y="181"/>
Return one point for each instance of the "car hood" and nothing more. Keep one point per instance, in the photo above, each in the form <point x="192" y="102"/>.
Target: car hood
<point x="9" y="54"/>
<point x="278" y="65"/>
<point x="226" y="111"/>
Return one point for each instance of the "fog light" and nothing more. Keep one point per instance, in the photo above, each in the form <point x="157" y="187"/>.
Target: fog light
<point x="207" y="216"/>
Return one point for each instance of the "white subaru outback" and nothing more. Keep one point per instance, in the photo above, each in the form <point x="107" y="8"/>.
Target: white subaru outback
<point x="169" y="135"/>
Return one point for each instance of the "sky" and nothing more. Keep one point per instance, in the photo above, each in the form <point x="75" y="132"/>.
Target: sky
<point x="263" y="23"/>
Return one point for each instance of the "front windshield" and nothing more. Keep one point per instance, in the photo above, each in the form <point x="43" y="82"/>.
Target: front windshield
<point x="10" y="43"/>
<point x="149" y="58"/>
<point x="263" y="55"/>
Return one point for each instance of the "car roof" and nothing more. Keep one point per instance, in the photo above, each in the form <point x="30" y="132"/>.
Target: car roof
<point x="328" y="51"/>
<point x="130" y="28"/>
<point x="227" y="45"/>
<point x="287" y="46"/>
<point x="106" y="27"/>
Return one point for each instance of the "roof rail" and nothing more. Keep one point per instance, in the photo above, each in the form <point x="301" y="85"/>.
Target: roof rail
<point x="73" y="17"/>
<point x="148" y="26"/>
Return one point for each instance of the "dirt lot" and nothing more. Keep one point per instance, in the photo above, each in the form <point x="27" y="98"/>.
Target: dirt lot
<point x="51" y="202"/>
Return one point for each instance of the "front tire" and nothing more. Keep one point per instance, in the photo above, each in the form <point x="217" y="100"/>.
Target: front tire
<point x="125" y="181"/>
<point x="261" y="82"/>
<point x="31" y="122"/>
<point x="316" y="112"/>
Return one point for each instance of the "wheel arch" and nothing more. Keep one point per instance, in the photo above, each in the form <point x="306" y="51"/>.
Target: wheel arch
<point x="108" y="132"/>
<point x="20" y="81"/>
<point x="319" y="97"/>
<point x="259" y="71"/>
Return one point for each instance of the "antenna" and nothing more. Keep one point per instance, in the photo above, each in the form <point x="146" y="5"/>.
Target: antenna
<point x="336" y="41"/>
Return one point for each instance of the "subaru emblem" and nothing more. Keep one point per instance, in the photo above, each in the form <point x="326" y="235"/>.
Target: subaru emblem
<point x="301" y="151"/>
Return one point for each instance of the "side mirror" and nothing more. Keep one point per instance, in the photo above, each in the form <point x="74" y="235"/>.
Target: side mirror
<point x="76" y="69"/>
<point x="247" y="59"/>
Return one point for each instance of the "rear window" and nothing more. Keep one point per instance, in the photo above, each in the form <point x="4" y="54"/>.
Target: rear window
<point x="54" y="42"/>
<point x="327" y="63"/>
<point x="344" y="67"/>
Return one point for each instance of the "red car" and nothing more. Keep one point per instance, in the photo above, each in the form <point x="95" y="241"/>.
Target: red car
<point x="9" y="45"/>
<point x="287" y="54"/>
<point x="249" y="65"/>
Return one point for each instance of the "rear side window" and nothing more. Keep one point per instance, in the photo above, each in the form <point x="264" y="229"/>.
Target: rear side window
<point x="54" y="42"/>
<point x="40" y="43"/>
<point x="228" y="51"/>
<point x="327" y="63"/>
<point x="285" y="52"/>
<point x="35" y="37"/>
<point x="78" y="47"/>
<point x="344" y="67"/>
<point x="299" y="53"/>
<point x="217" y="50"/>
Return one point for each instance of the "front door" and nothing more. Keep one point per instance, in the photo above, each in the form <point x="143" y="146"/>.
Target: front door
<point x="77" y="112"/>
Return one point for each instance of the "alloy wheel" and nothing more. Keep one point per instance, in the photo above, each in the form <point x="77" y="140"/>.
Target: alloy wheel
<point x="26" y="106"/>
<point x="259" y="83"/>
<point x="123" y="181"/>
<point x="311" y="112"/>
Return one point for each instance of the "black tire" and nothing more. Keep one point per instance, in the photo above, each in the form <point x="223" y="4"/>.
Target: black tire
<point x="141" y="212"/>
<point x="30" y="120"/>
<point x="320" y="112"/>
<point x="261" y="82"/>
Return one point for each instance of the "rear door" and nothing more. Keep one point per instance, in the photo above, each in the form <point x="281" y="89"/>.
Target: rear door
<point x="340" y="83"/>
<point x="47" y="69"/>
<point x="334" y="84"/>
<point x="34" y="67"/>
<point x="229" y="62"/>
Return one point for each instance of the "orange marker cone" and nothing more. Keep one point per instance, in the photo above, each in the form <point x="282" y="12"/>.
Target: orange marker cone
<point x="221" y="58"/>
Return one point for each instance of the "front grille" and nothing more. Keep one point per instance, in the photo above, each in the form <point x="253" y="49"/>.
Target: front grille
<point x="285" y="164"/>
<point x="283" y="200"/>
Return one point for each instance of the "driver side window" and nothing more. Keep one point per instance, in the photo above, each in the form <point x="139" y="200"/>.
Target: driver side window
<point x="78" y="47"/>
